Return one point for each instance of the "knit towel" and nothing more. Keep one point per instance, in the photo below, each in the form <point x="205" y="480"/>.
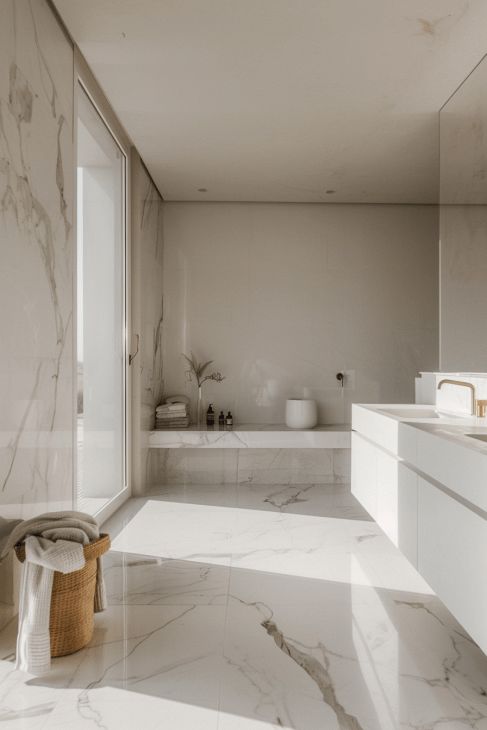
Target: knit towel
<point x="42" y="558"/>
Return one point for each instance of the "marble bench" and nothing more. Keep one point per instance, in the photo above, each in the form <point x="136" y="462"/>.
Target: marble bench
<point x="253" y="436"/>
<point x="250" y="454"/>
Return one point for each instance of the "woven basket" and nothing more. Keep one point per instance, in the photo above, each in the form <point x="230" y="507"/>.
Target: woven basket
<point x="72" y="601"/>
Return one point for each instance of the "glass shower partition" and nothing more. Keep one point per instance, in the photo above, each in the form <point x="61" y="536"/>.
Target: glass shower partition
<point x="101" y="311"/>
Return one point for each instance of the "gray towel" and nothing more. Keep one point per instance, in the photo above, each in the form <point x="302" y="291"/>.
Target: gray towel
<point x="13" y="532"/>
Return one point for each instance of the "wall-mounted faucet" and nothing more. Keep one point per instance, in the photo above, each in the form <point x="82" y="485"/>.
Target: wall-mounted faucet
<point x="470" y="386"/>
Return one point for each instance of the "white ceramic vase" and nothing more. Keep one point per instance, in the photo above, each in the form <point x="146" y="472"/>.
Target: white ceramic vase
<point x="301" y="413"/>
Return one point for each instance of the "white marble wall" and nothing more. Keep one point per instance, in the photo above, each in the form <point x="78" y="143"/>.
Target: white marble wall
<point x="147" y="310"/>
<point x="285" y="296"/>
<point x="249" y="466"/>
<point x="36" y="272"/>
<point x="463" y="226"/>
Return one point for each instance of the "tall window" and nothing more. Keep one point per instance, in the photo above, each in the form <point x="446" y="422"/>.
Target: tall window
<point x="101" y="311"/>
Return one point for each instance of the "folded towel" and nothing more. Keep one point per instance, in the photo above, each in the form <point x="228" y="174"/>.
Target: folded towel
<point x="172" y="425"/>
<point x="179" y="427"/>
<point x="174" y="408"/>
<point x="171" y="408"/>
<point x="177" y="399"/>
<point x="171" y="416"/>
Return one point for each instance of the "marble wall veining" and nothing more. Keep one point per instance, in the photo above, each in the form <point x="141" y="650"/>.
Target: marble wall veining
<point x="283" y="297"/>
<point x="36" y="272"/>
<point x="37" y="164"/>
<point x="147" y="313"/>
<point x="248" y="466"/>
<point x="463" y="226"/>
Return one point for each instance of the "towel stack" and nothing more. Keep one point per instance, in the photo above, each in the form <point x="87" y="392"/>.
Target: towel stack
<point x="172" y="416"/>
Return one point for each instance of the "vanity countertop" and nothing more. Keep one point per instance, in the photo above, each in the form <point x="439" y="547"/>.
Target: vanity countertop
<point x="464" y="434"/>
<point x="443" y="446"/>
<point x="457" y="428"/>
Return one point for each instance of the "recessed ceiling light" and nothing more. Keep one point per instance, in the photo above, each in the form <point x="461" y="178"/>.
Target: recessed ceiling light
<point x="202" y="190"/>
<point x="330" y="192"/>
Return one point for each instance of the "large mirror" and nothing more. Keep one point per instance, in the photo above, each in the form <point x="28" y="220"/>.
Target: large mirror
<point x="463" y="226"/>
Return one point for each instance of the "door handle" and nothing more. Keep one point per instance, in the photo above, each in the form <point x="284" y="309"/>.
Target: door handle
<point x="133" y="356"/>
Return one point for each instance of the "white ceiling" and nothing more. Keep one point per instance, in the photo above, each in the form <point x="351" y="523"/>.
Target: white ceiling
<point x="282" y="100"/>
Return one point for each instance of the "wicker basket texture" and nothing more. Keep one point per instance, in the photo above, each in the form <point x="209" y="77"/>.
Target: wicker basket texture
<point x="72" y="601"/>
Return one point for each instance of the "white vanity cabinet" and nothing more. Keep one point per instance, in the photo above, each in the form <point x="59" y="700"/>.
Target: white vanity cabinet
<point x="440" y="529"/>
<point x="452" y="557"/>
<point x="388" y="490"/>
<point x="407" y="513"/>
<point x="364" y="473"/>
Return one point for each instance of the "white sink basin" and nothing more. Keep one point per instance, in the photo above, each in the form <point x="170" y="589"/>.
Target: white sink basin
<point x="411" y="412"/>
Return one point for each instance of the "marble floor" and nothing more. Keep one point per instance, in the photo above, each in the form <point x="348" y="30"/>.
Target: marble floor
<point x="249" y="607"/>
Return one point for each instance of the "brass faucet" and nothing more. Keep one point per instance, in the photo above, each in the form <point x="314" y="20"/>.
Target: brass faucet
<point x="473" y="403"/>
<point x="481" y="408"/>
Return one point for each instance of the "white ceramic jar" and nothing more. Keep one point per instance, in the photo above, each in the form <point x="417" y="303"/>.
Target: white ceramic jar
<point x="301" y="413"/>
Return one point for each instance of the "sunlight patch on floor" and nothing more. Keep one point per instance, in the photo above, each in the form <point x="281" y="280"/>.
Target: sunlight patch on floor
<point x="324" y="548"/>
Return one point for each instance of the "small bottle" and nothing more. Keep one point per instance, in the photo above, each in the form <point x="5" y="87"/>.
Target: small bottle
<point x="221" y="421"/>
<point x="210" y="416"/>
<point x="229" y="421"/>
